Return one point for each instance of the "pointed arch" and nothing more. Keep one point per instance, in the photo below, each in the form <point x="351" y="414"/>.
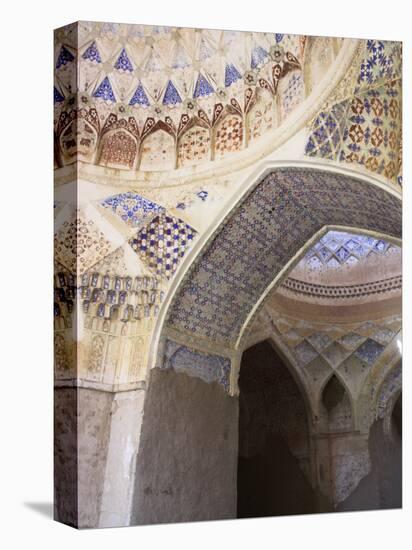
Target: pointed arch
<point x="228" y="135"/>
<point x="118" y="149"/>
<point x="194" y="143"/>
<point x="337" y="404"/>
<point x="260" y="236"/>
<point x="157" y="150"/>
<point x="261" y="116"/>
<point x="292" y="366"/>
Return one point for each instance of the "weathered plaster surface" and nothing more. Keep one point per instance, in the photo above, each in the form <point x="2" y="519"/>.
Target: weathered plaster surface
<point x="93" y="438"/>
<point x="126" y="420"/>
<point x="382" y="487"/>
<point x="187" y="460"/>
<point x="65" y="455"/>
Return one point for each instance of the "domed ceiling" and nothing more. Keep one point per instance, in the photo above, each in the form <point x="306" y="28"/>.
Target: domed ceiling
<point x="344" y="266"/>
<point x="205" y="93"/>
<point x="164" y="69"/>
<point x="156" y="99"/>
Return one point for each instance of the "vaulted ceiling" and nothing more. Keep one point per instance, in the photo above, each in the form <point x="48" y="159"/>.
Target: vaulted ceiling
<point x="166" y="68"/>
<point x="262" y="234"/>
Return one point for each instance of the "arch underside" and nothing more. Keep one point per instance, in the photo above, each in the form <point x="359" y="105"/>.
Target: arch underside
<point x="193" y="394"/>
<point x="261" y="236"/>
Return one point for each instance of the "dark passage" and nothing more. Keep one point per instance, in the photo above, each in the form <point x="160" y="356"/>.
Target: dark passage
<point x="273" y="463"/>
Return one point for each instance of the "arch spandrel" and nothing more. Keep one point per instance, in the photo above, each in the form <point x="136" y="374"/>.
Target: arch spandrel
<point x="270" y="225"/>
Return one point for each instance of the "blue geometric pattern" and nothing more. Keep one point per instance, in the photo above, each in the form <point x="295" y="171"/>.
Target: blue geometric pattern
<point x="92" y="53"/>
<point x="369" y="351"/>
<point x="163" y="243"/>
<point x="343" y="254"/>
<point x="292" y="93"/>
<point x="209" y="368"/>
<point x="171" y="96"/>
<point x="132" y="208"/>
<point x="231" y="75"/>
<point x="259" y="55"/>
<point x="203" y="87"/>
<point x="64" y="57"/>
<point x="278" y="38"/>
<point x="140" y="97"/>
<point x="104" y="91"/>
<point x="365" y="128"/>
<point x="261" y="235"/>
<point x="328" y="130"/>
<point x="372" y="135"/>
<point x="382" y="62"/>
<point x="123" y="62"/>
<point x="324" y="253"/>
<point x="57" y="96"/>
<point x="381" y="246"/>
<point x="337" y="247"/>
<point x="351" y="354"/>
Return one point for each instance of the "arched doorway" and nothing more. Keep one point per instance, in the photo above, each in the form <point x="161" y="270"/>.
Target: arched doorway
<point x="274" y="463"/>
<point x="188" y="457"/>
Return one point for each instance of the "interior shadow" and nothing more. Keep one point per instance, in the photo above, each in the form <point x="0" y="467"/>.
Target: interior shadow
<point x="273" y="461"/>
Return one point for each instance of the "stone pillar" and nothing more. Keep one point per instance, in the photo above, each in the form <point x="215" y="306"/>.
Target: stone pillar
<point x="96" y="442"/>
<point x="126" y="419"/>
<point x="65" y="456"/>
<point x="93" y="435"/>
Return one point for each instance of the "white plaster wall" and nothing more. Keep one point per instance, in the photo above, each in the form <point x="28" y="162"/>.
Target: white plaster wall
<point x="126" y="419"/>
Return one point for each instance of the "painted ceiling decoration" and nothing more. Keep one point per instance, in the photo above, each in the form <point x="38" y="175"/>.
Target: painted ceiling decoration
<point x="153" y="99"/>
<point x="140" y="97"/>
<point x="338" y="248"/>
<point x="232" y="88"/>
<point x="171" y="96"/>
<point x="57" y="96"/>
<point x="203" y="87"/>
<point x="261" y="235"/>
<point x="79" y="243"/>
<point x="319" y="350"/>
<point x="163" y="243"/>
<point x="176" y="80"/>
<point x="199" y="62"/>
<point x="65" y="56"/>
<point x="364" y="125"/>
<point x="123" y="62"/>
<point x="346" y="267"/>
<point x="105" y="91"/>
<point x="86" y="238"/>
<point x="158" y="262"/>
<point x="133" y="209"/>
<point x="92" y="53"/>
